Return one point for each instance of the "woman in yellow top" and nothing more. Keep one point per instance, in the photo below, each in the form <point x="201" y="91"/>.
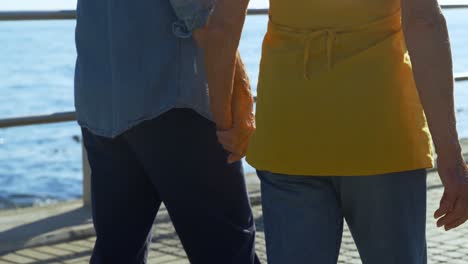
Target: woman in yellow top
<point x="338" y="99"/>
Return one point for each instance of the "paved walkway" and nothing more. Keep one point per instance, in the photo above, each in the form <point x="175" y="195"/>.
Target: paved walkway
<point x="443" y="247"/>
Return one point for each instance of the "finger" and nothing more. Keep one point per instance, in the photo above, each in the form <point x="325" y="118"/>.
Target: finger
<point x="463" y="203"/>
<point x="239" y="152"/>
<point x="226" y="142"/>
<point x="455" y="224"/>
<point x="232" y="142"/>
<point x="232" y="134"/>
<point x="234" y="158"/>
<point x="243" y="149"/>
<point x="229" y="148"/>
<point x="453" y="216"/>
<point x="224" y="133"/>
<point x="447" y="203"/>
<point x="450" y="217"/>
<point x="225" y="138"/>
<point x="440" y="211"/>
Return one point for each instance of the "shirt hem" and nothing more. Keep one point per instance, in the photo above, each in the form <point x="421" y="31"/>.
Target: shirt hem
<point x="115" y="133"/>
<point x="330" y="172"/>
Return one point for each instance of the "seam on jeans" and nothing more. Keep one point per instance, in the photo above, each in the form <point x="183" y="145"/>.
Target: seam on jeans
<point x="251" y="233"/>
<point x="336" y="184"/>
<point x="339" y="238"/>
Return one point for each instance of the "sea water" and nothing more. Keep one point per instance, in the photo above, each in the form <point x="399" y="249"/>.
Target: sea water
<point x="42" y="164"/>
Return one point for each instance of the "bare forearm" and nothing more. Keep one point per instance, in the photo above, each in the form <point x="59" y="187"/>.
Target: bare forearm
<point x="220" y="63"/>
<point x="429" y="48"/>
<point x="220" y="39"/>
<point x="236" y="139"/>
<point x="242" y="98"/>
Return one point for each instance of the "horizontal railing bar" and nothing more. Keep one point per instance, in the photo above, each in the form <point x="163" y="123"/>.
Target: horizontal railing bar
<point x="37" y="15"/>
<point x="37" y="120"/>
<point x="71" y="116"/>
<point x="454" y="6"/>
<point x="261" y="11"/>
<point x="71" y="14"/>
<point x="461" y="77"/>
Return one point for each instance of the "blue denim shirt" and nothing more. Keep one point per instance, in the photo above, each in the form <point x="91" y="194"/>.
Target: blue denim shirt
<point x="137" y="60"/>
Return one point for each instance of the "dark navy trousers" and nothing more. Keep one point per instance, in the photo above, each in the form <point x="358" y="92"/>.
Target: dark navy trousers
<point x="173" y="159"/>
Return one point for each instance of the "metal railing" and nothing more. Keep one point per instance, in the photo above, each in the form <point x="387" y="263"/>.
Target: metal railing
<point x="71" y="14"/>
<point x="70" y="116"/>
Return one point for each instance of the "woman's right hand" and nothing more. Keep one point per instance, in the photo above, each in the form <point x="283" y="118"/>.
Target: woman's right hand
<point x="453" y="210"/>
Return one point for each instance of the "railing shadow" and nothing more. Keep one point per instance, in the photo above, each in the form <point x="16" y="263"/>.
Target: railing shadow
<point x="69" y="225"/>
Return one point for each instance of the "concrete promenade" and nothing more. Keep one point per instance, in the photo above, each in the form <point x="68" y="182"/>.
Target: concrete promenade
<point x="63" y="233"/>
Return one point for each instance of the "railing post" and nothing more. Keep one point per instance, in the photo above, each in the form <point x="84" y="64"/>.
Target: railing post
<point x="86" y="180"/>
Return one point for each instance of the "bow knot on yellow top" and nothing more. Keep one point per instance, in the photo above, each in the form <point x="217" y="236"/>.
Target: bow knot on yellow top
<point x="330" y="34"/>
<point x="331" y="37"/>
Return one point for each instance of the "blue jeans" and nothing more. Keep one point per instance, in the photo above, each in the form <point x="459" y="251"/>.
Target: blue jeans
<point x="303" y="217"/>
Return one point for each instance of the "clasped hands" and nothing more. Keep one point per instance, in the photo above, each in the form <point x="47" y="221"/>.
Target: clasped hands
<point x="228" y="84"/>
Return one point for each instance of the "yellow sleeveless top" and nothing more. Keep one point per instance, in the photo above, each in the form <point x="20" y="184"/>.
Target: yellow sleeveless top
<point x="336" y="94"/>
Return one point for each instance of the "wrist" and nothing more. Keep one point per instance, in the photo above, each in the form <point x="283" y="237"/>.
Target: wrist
<point x="245" y="127"/>
<point x="450" y="157"/>
<point x="454" y="165"/>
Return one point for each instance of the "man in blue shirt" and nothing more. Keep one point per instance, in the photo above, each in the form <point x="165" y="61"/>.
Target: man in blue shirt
<point x="143" y="103"/>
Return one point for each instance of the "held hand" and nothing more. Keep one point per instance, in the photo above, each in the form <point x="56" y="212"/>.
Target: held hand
<point x="453" y="210"/>
<point x="236" y="138"/>
<point x="235" y="141"/>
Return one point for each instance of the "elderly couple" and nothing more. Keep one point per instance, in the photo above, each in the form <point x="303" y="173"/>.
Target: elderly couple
<point x="344" y="123"/>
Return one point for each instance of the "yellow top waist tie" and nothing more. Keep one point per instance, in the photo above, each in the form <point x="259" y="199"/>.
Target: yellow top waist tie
<point x="308" y="35"/>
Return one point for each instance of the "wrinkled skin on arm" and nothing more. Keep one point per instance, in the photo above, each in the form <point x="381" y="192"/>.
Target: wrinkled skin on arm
<point x="428" y="44"/>
<point x="230" y="96"/>
<point x="236" y="139"/>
